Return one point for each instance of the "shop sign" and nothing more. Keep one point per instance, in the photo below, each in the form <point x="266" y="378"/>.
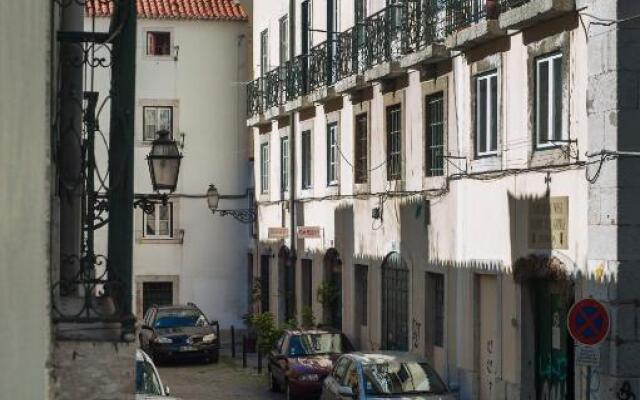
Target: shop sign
<point x="278" y="233"/>
<point x="309" y="232"/>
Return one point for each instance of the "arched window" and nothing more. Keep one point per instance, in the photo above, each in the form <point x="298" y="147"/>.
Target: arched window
<point x="395" y="303"/>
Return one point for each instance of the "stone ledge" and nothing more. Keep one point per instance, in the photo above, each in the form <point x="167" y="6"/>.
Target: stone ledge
<point x="274" y="112"/>
<point x="257" y="120"/>
<point x="350" y="83"/>
<point x="534" y="12"/>
<point x="431" y="54"/>
<point x="385" y="70"/>
<point x="322" y="94"/>
<point x="297" y="104"/>
<point x="474" y="35"/>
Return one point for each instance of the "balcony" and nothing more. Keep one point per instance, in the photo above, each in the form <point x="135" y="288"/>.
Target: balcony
<point x="351" y="59"/>
<point x="424" y="33"/>
<point x="384" y="35"/>
<point x="520" y="14"/>
<point x="470" y="23"/>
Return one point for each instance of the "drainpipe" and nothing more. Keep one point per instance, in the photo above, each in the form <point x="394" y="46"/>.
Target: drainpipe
<point x="292" y="142"/>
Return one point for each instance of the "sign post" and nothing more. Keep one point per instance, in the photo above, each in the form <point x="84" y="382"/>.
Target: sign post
<point x="588" y="323"/>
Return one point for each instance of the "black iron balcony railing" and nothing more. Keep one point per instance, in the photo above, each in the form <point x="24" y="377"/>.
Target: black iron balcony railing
<point x="273" y="87"/>
<point x="401" y="28"/>
<point x="255" y="97"/>
<point x="319" y="66"/>
<point x="424" y="24"/>
<point x="463" y="13"/>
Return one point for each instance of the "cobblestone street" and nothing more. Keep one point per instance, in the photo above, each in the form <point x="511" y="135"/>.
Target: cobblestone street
<point x="224" y="380"/>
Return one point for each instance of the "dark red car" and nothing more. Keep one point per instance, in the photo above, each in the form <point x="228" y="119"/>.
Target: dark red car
<point x="301" y="359"/>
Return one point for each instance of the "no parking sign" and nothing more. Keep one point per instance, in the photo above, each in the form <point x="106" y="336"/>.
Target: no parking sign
<point x="588" y="322"/>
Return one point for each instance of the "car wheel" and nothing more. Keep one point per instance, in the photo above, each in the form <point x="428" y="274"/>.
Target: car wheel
<point x="274" y="383"/>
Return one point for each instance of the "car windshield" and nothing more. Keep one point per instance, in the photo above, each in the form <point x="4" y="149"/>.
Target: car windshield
<point x="180" y="318"/>
<point x="401" y="377"/>
<point x="146" y="379"/>
<point x="309" y="344"/>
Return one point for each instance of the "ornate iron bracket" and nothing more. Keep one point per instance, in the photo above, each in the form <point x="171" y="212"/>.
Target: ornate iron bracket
<point x="244" y="215"/>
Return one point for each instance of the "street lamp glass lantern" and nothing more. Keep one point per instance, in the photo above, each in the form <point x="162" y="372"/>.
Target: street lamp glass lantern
<point x="164" y="163"/>
<point x="213" y="197"/>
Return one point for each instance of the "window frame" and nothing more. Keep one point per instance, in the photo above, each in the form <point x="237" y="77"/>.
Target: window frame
<point x="552" y="136"/>
<point x="394" y="152"/>
<point x="429" y="146"/>
<point x="264" y="167"/>
<point x="361" y="149"/>
<point x="284" y="163"/>
<point x="306" y="160"/>
<point x="157" y="220"/>
<point x="264" y="52"/>
<point x="332" y="154"/>
<point x="283" y="46"/>
<point x="491" y="138"/>
<point x="157" y="108"/>
<point x="158" y="31"/>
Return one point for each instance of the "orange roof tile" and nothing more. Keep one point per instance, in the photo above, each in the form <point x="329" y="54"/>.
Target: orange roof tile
<point x="221" y="10"/>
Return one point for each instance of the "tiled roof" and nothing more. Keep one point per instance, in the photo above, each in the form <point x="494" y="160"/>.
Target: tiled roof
<point x="221" y="10"/>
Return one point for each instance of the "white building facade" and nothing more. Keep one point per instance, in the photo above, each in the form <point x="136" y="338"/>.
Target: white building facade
<point x="439" y="192"/>
<point x="191" y="63"/>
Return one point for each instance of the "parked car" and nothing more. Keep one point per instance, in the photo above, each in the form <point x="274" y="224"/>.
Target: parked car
<point x="148" y="383"/>
<point x="301" y="359"/>
<point x="179" y="331"/>
<point x="387" y="375"/>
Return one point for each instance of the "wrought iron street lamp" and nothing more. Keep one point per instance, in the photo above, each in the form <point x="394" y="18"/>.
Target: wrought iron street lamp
<point x="244" y="215"/>
<point x="164" y="163"/>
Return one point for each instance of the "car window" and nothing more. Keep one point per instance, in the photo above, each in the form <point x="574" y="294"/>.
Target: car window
<point x="174" y="318"/>
<point x="278" y="345"/>
<point x="401" y="377"/>
<point x="308" y="344"/>
<point x="340" y="369"/>
<point x="146" y="379"/>
<point x="351" y="377"/>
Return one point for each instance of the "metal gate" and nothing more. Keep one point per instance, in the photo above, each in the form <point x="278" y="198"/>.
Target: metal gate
<point x="395" y="303"/>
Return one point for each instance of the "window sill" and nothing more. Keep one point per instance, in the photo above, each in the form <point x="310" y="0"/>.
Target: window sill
<point x="150" y="57"/>
<point x="361" y="188"/>
<point x="549" y="156"/>
<point x="178" y="238"/>
<point x="486" y="163"/>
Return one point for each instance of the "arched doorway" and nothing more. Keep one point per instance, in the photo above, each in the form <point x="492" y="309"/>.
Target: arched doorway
<point x="395" y="303"/>
<point x="286" y="285"/>
<point x="330" y="292"/>
<point x="548" y="293"/>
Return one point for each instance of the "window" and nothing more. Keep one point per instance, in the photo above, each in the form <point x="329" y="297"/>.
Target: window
<point x="332" y="154"/>
<point x="156" y="119"/>
<point x="284" y="39"/>
<point x="362" y="294"/>
<point x="264" y="52"/>
<point x="307" y="283"/>
<point x="434" y="136"/>
<point x="307" y="26"/>
<point x="284" y="163"/>
<point x="394" y="142"/>
<point x="306" y="159"/>
<point x="361" y="28"/>
<point x="549" y="100"/>
<point x="264" y="167"/>
<point x="158" y="43"/>
<point x="487" y="114"/>
<point x="362" y="149"/>
<point x="395" y="14"/>
<point x="437" y="290"/>
<point x="158" y="224"/>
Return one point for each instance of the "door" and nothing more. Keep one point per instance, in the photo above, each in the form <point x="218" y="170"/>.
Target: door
<point x="264" y="283"/>
<point x="158" y="293"/>
<point x="487" y="332"/>
<point x="395" y="303"/>
<point x="553" y="344"/>
<point x="361" y="313"/>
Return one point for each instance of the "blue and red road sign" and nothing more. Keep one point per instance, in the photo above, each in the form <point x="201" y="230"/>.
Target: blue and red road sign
<point x="588" y="322"/>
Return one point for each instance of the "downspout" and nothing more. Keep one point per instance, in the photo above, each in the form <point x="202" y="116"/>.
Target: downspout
<point x="292" y="146"/>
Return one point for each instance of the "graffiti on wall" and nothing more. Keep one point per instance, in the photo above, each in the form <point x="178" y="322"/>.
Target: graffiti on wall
<point x="415" y="333"/>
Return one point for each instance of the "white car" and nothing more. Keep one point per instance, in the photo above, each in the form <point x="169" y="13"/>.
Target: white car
<point x="148" y="383"/>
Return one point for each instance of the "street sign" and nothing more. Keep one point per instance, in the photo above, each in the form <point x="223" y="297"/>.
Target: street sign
<point x="588" y="322"/>
<point x="588" y="356"/>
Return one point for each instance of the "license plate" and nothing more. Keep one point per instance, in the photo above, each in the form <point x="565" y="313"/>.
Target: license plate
<point x="187" y="348"/>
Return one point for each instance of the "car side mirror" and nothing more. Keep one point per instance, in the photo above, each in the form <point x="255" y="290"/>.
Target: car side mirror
<point x="346" y="391"/>
<point x="167" y="391"/>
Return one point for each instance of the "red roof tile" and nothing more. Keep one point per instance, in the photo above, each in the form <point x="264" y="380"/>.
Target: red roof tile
<point x="222" y="10"/>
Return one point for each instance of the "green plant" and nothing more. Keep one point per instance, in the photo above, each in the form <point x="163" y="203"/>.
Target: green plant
<point x="308" y="319"/>
<point x="328" y="294"/>
<point x="256" y="291"/>
<point x="266" y="330"/>
<point x="291" y="323"/>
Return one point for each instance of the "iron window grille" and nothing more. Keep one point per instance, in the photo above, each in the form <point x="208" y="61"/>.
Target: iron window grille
<point x="362" y="149"/>
<point x="306" y="159"/>
<point x="332" y="154"/>
<point x="264" y="168"/>
<point x="434" y="136"/>
<point x="156" y="119"/>
<point x="255" y="97"/>
<point x="394" y="142"/>
<point x="486" y="87"/>
<point x="549" y="103"/>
